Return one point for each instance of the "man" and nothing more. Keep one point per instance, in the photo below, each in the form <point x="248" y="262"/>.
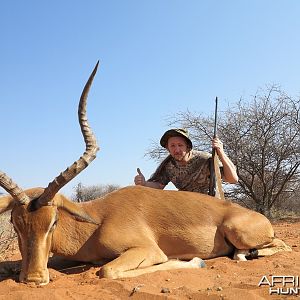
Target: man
<point x="186" y="168"/>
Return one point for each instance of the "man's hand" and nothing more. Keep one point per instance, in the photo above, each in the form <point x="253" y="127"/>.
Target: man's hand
<point x="140" y="178"/>
<point x="229" y="169"/>
<point x="218" y="146"/>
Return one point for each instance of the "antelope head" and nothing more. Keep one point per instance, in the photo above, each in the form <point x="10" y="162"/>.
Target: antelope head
<point x="35" y="211"/>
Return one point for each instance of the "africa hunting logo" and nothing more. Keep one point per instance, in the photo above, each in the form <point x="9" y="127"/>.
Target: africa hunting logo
<point x="281" y="285"/>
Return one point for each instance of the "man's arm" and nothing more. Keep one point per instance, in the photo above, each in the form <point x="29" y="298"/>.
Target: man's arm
<point x="153" y="184"/>
<point x="229" y="168"/>
<point x="140" y="180"/>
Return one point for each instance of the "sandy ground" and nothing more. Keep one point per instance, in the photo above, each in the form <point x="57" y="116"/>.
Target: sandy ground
<point x="222" y="278"/>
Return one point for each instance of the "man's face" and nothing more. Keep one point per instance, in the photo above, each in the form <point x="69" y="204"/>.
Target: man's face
<point x="177" y="147"/>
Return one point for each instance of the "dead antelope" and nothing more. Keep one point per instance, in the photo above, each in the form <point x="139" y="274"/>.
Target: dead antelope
<point x="135" y="230"/>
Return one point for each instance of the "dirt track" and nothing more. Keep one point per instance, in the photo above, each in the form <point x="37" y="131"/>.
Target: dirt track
<point x="222" y="278"/>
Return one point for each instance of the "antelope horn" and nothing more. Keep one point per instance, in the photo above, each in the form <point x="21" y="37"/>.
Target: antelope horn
<point x="88" y="156"/>
<point x="13" y="189"/>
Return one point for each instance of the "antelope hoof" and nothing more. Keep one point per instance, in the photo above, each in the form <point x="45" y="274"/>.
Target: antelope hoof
<point x="198" y="262"/>
<point x="240" y="255"/>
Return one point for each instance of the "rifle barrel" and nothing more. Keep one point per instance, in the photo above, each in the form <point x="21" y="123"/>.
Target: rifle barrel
<point x="212" y="182"/>
<point x="216" y="118"/>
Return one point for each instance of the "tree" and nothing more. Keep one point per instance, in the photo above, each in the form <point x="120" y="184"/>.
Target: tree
<point x="87" y="193"/>
<point x="262" y="137"/>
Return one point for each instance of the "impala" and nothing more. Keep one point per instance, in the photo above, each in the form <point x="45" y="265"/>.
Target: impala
<point x="135" y="230"/>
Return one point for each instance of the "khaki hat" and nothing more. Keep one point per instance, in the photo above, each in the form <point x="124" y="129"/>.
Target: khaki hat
<point x="175" y="132"/>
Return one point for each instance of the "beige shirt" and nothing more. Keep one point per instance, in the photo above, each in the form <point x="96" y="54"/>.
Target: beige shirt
<point x="193" y="177"/>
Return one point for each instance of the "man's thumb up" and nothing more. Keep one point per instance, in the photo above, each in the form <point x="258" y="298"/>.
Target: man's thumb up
<point x="140" y="178"/>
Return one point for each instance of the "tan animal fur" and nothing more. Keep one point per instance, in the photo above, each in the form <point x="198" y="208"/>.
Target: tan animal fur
<point x="135" y="230"/>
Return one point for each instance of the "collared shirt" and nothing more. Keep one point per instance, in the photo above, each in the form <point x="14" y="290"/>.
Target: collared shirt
<point x="194" y="176"/>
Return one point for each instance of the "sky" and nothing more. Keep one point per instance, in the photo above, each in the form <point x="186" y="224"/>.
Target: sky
<point x="157" y="58"/>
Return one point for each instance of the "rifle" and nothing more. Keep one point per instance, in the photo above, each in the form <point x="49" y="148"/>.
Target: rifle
<point x="215" y="185"/>
<point x="212" y="178"/>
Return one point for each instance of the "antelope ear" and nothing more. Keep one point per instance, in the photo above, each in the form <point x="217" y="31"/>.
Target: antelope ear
<point x="72" y="208"/>
<point x="7" y="203"/>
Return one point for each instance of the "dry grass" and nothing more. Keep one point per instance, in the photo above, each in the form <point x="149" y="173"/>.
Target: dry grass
<point x="8" y="237"/>
<point x="282" y="214"/>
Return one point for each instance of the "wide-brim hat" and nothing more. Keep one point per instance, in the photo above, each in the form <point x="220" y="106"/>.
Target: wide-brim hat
<point x="175" y="132"/>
